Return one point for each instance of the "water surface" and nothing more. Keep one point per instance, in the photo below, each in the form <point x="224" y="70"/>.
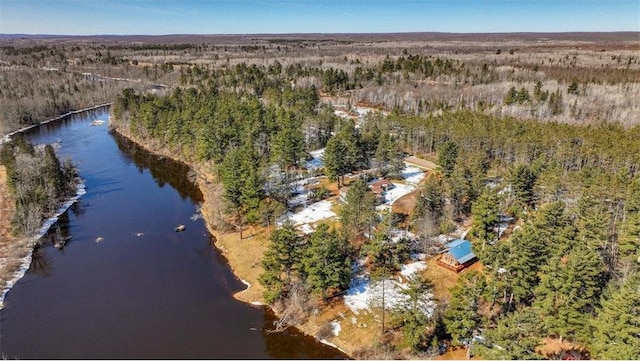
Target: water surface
<point x="127" y="285"/>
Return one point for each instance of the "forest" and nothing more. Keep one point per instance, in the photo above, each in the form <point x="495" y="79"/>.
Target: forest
<point x="520" y="129"/>
<point x="562" y="274"/>
<point x="39" y="182"/>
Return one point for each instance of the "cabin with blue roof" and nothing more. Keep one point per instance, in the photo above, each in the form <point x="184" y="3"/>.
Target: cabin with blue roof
<point x="457" y="255"/>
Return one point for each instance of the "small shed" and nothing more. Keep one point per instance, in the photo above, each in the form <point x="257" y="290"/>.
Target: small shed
<point x="457" y="255"/>
<point x="381" y="186"/>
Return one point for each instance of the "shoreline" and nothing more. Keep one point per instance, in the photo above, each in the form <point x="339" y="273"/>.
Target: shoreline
<point x="252" y="295"/>
<point x="28" y="244"/>
<point x="7" y="137"/>
<point x="31" y="242"/>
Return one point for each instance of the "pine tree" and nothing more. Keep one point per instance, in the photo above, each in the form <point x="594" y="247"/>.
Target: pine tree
<point x="53" y="172"/>
<point x="616" y="329"/>
<point x="569" y="288"/>
<point x="513" y="338"/>
<point x="485" y="217"/>
<point x="358" y="213"/>
<point x="523" y="180"/>
<point x="326" y="262"/>
<point x="281" y="261"/>
<point x="411" y="312"/>
<point x="447" y="157"/>
<point x="461" y="318"/>
<point x="287" y="145"/>
<point x="527" y="254"/>
<point x="629" y="240"/>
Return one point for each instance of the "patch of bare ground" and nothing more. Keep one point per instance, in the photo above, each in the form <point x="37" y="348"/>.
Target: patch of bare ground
<point x="553" y="347"/>
<point x="406" y="203"/>
<point x="443" y="280"/>
<point x="12" y="248"/>
<point x="456" y="353"/>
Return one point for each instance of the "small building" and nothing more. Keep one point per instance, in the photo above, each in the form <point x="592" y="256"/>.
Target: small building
<point x="381" y="186"/>
<point x="457" y="255"/>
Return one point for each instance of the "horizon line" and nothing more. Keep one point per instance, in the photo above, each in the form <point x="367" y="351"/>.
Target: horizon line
<point x="328" y="33"/>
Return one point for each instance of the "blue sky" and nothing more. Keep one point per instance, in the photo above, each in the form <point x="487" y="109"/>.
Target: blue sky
<point x="89" y="17"/>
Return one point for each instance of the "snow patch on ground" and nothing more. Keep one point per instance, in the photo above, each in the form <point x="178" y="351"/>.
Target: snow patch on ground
<point x="410" y="269"/>
<point x="317" y="159"/>
<point x="363" y="295"/>
<point x="335" y="328"/>
<point x="398" y="191"/>
<point x="412" y="175"/>
<point x="311" y="214"/>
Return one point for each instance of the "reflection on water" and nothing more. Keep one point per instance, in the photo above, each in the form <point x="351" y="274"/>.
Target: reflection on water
<point x="163" y="170"/>
<point x="126" y="285"/>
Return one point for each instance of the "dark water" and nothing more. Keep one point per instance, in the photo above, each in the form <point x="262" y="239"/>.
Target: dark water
<point x="160" y="295"/>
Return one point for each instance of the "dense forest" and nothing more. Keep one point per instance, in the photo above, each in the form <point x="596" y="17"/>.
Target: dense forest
<point x="39" y="182"/>
<point x="565" y="272"/>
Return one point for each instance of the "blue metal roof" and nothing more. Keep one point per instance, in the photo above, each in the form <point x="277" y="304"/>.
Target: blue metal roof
<point x="460" y="249"/>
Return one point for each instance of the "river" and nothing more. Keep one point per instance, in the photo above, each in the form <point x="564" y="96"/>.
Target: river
<point x="127" y="285"/>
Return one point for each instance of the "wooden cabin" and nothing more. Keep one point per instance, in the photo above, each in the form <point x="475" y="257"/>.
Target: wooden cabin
<point x="457" y="256"/>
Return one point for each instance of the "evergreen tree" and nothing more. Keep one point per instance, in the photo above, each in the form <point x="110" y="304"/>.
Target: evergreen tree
<point x="629" y="240"/>
<point x="288" y="146"/>
<point x="511" y="97"/>
<point x="523" y="180"/>
<point x="411" y="312"/>
<point x="461" y="318"/>
<point x="358" y="213"/>
<point x="342" y="153"/>
<point x="431" y="199"/>
<point x="569" y="289"/>
<point x="53" y="172"/>
<point x="326" y="262"/>
<point x="281" y="261"/>
<point x="485" y="218"/>
<point x="513" y="338"/>
<point x="556" y="104"/>
<point x="447" y="157"/>
<point x="616" y="329"/>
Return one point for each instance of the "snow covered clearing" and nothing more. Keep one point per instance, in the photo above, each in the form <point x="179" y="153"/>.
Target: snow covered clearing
<point x="398" y="191"/>
<point x="363" y="295"/>
<point x="311" y="214"/>
<point x="412" y="175"/>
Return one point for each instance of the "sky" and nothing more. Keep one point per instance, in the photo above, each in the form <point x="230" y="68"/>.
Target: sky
<point x="156" y="17"/>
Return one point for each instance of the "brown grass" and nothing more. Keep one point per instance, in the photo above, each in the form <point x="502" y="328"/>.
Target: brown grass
<point x="406" y="203"/>
<point x="443" y="280"/>
<point x="553" y="346"/>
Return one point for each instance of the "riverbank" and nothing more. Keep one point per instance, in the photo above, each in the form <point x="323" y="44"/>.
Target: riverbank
<point x="16" y="251"/>
<point x="7" y="137"/>
<point x="244" y="255"/>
